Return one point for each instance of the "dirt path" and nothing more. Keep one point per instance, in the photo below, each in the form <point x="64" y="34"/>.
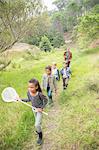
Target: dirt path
<point x="51" y="124"/>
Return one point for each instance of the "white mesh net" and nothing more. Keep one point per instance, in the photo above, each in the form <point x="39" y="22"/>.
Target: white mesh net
<point x="9" y="94"/>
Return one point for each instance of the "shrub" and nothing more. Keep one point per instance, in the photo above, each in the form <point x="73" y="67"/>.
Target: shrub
<point x="45" y="44"/>
<point x="56" y="39"/>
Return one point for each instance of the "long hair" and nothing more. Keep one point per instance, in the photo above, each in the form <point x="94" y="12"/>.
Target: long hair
<point x="36" y="83"/>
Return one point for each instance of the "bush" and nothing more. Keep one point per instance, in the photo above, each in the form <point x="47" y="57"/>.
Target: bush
<point x="33" y="40"/>
<point x="56" y="39"/>
<point x="45" y="44"/>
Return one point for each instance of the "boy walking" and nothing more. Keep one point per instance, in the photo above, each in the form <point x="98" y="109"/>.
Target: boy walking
<point x="55" y="71"/>
<point x="65" y="72"/>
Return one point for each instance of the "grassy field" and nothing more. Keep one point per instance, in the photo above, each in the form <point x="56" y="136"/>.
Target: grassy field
<point x="79" y="118"/>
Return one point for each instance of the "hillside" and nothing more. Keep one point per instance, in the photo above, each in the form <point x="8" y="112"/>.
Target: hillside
<point x="73" y="122"/>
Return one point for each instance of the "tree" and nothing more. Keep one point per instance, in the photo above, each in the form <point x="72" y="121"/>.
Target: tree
<point x="45" y="44"/>
<point x="87" y="29"/>
<point x="71" y="10"/>
<point x="60" y="4"/>
<point x="56" y="39"/>
<point x="40" y="27"/>
<point x="15" y="20"/>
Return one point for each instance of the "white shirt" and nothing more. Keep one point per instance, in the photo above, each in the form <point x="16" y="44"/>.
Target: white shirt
<point x="55" y="72"/>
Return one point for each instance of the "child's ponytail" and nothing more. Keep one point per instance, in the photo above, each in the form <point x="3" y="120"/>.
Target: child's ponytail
<point x="39" y="88"/>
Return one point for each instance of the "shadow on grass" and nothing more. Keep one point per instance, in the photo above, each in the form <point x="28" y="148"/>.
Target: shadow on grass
<point x="91" y="51"/>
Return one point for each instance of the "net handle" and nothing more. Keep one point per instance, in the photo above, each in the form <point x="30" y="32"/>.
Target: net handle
<point x="32" y="107"/>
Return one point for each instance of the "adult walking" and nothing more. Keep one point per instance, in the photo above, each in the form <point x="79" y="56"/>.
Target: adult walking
<point x="68" y="56"/>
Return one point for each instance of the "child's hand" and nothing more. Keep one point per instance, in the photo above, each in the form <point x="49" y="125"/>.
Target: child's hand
<point x="17" y="98"/>
<point x="39" y="109"/>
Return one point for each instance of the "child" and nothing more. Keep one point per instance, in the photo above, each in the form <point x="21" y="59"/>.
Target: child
<point x="65" y="72"/>
<point x="49" y="83"/>
<point x="38" y="101"/>
<point x="55" y="72"/>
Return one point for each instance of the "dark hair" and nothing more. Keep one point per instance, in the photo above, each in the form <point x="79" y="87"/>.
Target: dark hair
<point x="49" y="68"/>
<point x="36" y="83"/>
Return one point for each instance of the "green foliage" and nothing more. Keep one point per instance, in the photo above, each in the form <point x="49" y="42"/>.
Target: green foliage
<point x="40" y="27"/>
<point x="33" y="40"/>
<point x="60" y="3"/>
<point x="88" y="27"/>
<point x="70" y="10"/>
<point x="45" y="44"/>
<point x="58" y="40"/>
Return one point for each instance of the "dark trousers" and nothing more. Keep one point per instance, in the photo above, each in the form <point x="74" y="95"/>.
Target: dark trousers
<point x="65" y="82"/>
<point x="49" y="94"/>
<point x="68" y="61"/>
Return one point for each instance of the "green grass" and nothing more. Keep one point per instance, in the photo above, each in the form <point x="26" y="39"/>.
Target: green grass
<point x="78" y="120"/>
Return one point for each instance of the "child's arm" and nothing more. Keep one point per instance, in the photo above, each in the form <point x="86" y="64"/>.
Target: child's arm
<point x="61" y="72"/>
<point x="54" y="82"/>
<point x="26" y="99"/>
<point x="58" y="74"/>
<point x="44" y="98"/>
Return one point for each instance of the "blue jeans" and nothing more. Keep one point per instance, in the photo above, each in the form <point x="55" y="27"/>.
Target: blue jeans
<point x="49" y="94"/>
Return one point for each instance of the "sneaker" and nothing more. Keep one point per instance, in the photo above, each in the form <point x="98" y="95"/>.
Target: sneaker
<point x="39" y="141"/>
<point x="64" y="88"/>
<point x="66" y="85"/>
